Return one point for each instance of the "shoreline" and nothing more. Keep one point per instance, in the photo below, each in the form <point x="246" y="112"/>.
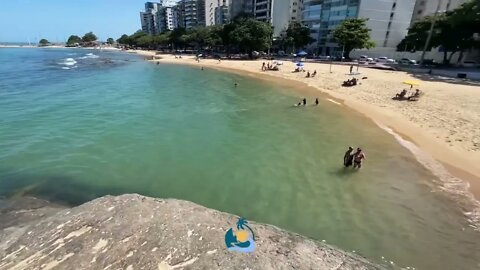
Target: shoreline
<point x="458" y="163"/>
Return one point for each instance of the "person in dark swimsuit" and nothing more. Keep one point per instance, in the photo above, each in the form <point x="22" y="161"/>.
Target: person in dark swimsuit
<point x="348" y="157"/>
<point x="358" y="158"/>
<point x="316" y="101"/>
<point x="304" y="102"/>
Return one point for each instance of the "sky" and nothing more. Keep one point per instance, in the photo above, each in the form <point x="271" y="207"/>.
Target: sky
<point x="56" y="20"/>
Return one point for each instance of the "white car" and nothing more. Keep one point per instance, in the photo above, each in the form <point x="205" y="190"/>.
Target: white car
<point x="406" y="61"/>
<point x="384" y="59"/>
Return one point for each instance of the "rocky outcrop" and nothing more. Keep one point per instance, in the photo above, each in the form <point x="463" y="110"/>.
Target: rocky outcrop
<point x="136" y="232"/>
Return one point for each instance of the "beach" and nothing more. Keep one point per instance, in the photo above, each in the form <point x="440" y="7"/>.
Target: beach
<point x="444" y="122"/>
<point x="80" y="124"/>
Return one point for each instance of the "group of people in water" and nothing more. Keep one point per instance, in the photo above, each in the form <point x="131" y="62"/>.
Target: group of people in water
<point x="353" y="158"/>
<point x="303" y="102"/>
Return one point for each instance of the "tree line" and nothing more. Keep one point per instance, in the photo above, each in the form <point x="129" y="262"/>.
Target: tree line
<point x="244" y="34"/>
<point x="454" y="31"/>
<point x="87" y="40"/>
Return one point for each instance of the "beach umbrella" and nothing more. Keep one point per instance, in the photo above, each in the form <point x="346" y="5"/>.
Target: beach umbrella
<point x="411" y="82"/>
<point x="302" y="53"/>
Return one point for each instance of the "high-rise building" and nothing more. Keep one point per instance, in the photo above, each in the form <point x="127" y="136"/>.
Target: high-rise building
<point x="216" y="12"/>
<point x="240" y="6"/>
<point x="278" y="13"/>
<point x="148" y="18"/>
<point x="222" y="12"/>
<point x="388" y="20"/>
<point x="428" y="7"/>
<point x="165" y="20"/>
<point x="189" y="13"/>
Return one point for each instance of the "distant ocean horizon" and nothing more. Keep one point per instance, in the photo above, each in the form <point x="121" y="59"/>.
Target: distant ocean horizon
<point x="79" y="124"/>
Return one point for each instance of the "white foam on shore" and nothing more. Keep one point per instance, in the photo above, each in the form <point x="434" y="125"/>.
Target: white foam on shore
<point x="457" y="188"/>
<point x="333" y="101"/>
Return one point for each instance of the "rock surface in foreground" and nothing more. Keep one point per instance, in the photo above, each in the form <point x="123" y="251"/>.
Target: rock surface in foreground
<point x="136" y="232"/>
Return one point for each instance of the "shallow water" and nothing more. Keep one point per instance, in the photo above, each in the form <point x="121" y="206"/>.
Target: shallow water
<point x="114" y="124"/>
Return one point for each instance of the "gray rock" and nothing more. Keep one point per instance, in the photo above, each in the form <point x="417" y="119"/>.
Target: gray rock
<point x="135" y="232"/>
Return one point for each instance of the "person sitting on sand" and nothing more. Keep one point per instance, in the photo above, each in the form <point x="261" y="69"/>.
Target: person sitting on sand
<point x="415" y="95"/>
<point x="401" y="95"/>
<point x="348" y="157"/>
<point x="308" y="74"/>
<point x="316" y="101"/>
<point x="358" y="158"/>
<point x="314" y="73"/>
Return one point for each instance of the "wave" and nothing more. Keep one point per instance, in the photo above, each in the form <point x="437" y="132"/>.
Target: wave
<point x="454" y="187"/>
<point x="68" y="62"/>
<point x="89" y="55"/>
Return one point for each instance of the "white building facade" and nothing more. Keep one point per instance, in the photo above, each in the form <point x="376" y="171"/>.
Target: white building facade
<point x="429" y="7"/>
<point x="148" y="18"/>
<point x="279" y="13"/>
<point x="388" y="20"/>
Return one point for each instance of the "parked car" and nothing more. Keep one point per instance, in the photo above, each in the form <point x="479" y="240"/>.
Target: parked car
<point x="391" y="61"/>
<point x="406" y="61"/>
<point x="323" y="57"/>
<point x="469" y="63"/>
<point x="382" y="59"/>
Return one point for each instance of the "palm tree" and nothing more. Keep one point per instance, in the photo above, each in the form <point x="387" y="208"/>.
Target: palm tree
<point x="241" y="223"/>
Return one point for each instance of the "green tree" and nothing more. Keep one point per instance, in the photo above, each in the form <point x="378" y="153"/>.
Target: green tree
<point x="110" y="41"/>
<point x="145" y="41"/>
<point x="43" y="42"/>
<point x="124" y="40"/>
<point x="353" y="34"/>
<point x="176" y="37"/>
<point x="162" y="40"/>
<point x="74" y="39"/>
<point x="251" y="35"/>
<point x="89" y="37"/>
<point x="297" y="35"/>
<point x="446" y="33"/>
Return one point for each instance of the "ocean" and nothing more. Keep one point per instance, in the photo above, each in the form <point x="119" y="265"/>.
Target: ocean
<point x="78" y="124"/>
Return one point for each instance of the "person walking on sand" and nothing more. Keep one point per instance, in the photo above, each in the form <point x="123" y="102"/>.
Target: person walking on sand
<point x="263" y="66"/>
<point x="348" y="157"/>
<point x="351" y="69"/>
<point x="358" y="158"/>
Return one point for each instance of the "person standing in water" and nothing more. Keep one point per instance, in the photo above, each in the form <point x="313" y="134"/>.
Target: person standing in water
<point x="316" y="101"/>
<point x="348" y="157"/>
<point x="358" y="158"/>
<point x="304" y="102"/>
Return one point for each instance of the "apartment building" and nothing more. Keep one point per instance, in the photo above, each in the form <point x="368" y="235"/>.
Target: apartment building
<point x="279" y="13"/>
<point x="428" y="7"/>
<point x="388" y="20"/>
<point x="148" y="18"/>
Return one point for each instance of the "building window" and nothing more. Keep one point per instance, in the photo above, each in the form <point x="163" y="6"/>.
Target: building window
<point x="391" y="15"/>
<point x="394" y="5"/>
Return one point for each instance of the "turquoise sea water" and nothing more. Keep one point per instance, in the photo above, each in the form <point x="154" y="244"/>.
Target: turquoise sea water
<point x="109" y="123"/>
